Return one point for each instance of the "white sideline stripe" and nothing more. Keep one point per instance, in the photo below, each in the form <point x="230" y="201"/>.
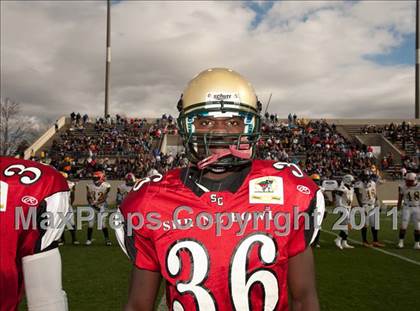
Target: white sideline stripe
<point x="390" y="242"/>
<point x="417" y="263"/>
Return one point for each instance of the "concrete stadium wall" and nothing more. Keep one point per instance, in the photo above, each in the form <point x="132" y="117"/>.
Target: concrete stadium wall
<point x="80" y="194"/>
<point x="40" y="142"/>
<point x="374" y="139"/>
<point x="386" y="191"/>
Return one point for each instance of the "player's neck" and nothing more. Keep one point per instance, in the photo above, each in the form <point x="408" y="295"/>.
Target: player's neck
<point x="217" y="176"/>
<point x="220" y="175"/>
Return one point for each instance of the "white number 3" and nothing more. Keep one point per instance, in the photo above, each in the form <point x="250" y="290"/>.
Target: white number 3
<point x="240" y="282"/>
<point x="200" y="268"/>
<point x="19" y="169"/>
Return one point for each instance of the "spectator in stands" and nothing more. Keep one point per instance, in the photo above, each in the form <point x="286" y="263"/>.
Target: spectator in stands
<point x="73" y="117"/>
<point x="403" y="172"/>
<point x="78" y="117"/>
<point x="384" y="163"/>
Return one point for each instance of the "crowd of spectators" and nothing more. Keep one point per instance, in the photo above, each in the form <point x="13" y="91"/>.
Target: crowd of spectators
<point x="314" y="145"/>
<point x="406" y="136"/>
<point x="119" y="145"/>
<point x="404" y="133"/>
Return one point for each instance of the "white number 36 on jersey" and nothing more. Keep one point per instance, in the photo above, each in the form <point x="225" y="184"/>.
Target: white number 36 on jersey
<point x="240" y="282"/>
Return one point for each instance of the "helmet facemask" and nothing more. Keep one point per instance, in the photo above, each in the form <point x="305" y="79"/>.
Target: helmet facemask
<point x="97" y="181"/>
<point x="238" y="148"/>
<point x="411" y="179"/>
<point x="98" y="178"/>
<point x="366" y="175"/>
<point x="130" y="179"/>
<point x="348" y="181"/>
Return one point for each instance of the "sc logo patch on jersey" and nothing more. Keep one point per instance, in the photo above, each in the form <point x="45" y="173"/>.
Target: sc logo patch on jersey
<point x="267" y="190"/>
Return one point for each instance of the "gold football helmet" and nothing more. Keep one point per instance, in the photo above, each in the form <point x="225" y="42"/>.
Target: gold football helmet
<point x="219" y="93"/>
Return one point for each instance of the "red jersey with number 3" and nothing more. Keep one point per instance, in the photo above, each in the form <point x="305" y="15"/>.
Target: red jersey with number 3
<point x="242" y="266"/>
<point x="27" y="189"/>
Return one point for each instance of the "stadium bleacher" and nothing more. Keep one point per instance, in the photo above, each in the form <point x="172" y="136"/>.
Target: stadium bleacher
<point x="116" y="145"/>
<point x="120" y="145"/>
<point x="406" y="138"/>
<point x="315" y="145"/>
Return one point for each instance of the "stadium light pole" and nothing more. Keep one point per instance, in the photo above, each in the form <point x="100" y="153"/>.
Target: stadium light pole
<point x="417" y="98"/>
<point x="268" y="103"/>
<point x="108" y="55"/>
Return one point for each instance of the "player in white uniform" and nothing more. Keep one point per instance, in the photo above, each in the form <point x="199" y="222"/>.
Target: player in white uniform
<point x="365" y="190"/>
<point x="409" y="193"/>
<point x="344" y="199"/>
<point x="317" y="179"/>
<point x="72" y="187"/>
<point x="97" y="194"/>
<point x="125" y="188"/>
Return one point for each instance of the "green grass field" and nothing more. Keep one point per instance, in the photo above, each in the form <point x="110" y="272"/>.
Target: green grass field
<point x="96" y="277"/>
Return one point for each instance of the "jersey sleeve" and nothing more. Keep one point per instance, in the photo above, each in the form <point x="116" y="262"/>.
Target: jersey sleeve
<point x="50" y="213"/>
<point x="134" y="238"/>
<point x="305" y="229"/>
<point x="142" y="252"/>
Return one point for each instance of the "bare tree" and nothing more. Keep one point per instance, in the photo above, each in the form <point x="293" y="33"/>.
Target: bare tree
<point x="13" y="127"/>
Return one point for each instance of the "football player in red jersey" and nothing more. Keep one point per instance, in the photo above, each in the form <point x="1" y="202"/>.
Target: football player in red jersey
<point x="224" y="233"/>
<point x="30" y="192"/>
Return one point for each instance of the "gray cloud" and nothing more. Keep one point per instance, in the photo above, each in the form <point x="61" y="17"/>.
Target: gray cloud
<point x="310" y="55"/>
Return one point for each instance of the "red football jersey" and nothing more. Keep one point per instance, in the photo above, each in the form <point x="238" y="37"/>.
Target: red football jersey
<point x="27" y="190"/>
<point x="177" y="231"/>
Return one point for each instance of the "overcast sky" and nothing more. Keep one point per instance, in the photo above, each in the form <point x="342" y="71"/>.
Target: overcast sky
<point x="318" y="59"/>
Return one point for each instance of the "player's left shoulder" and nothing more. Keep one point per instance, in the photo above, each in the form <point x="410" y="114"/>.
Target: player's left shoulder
<point x="276" y="167"/>
<point x="294" y="186"/>
<point x="142" y="194"/>
<point x="290" y="173"/>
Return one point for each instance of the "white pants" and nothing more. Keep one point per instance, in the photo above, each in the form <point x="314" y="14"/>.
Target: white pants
<point x="346" y="214"/>
<point x="100" y="214"/>
<point x="370" y="216"/>
<point x="410" y="213"/>
<point x="72" y="217"/>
